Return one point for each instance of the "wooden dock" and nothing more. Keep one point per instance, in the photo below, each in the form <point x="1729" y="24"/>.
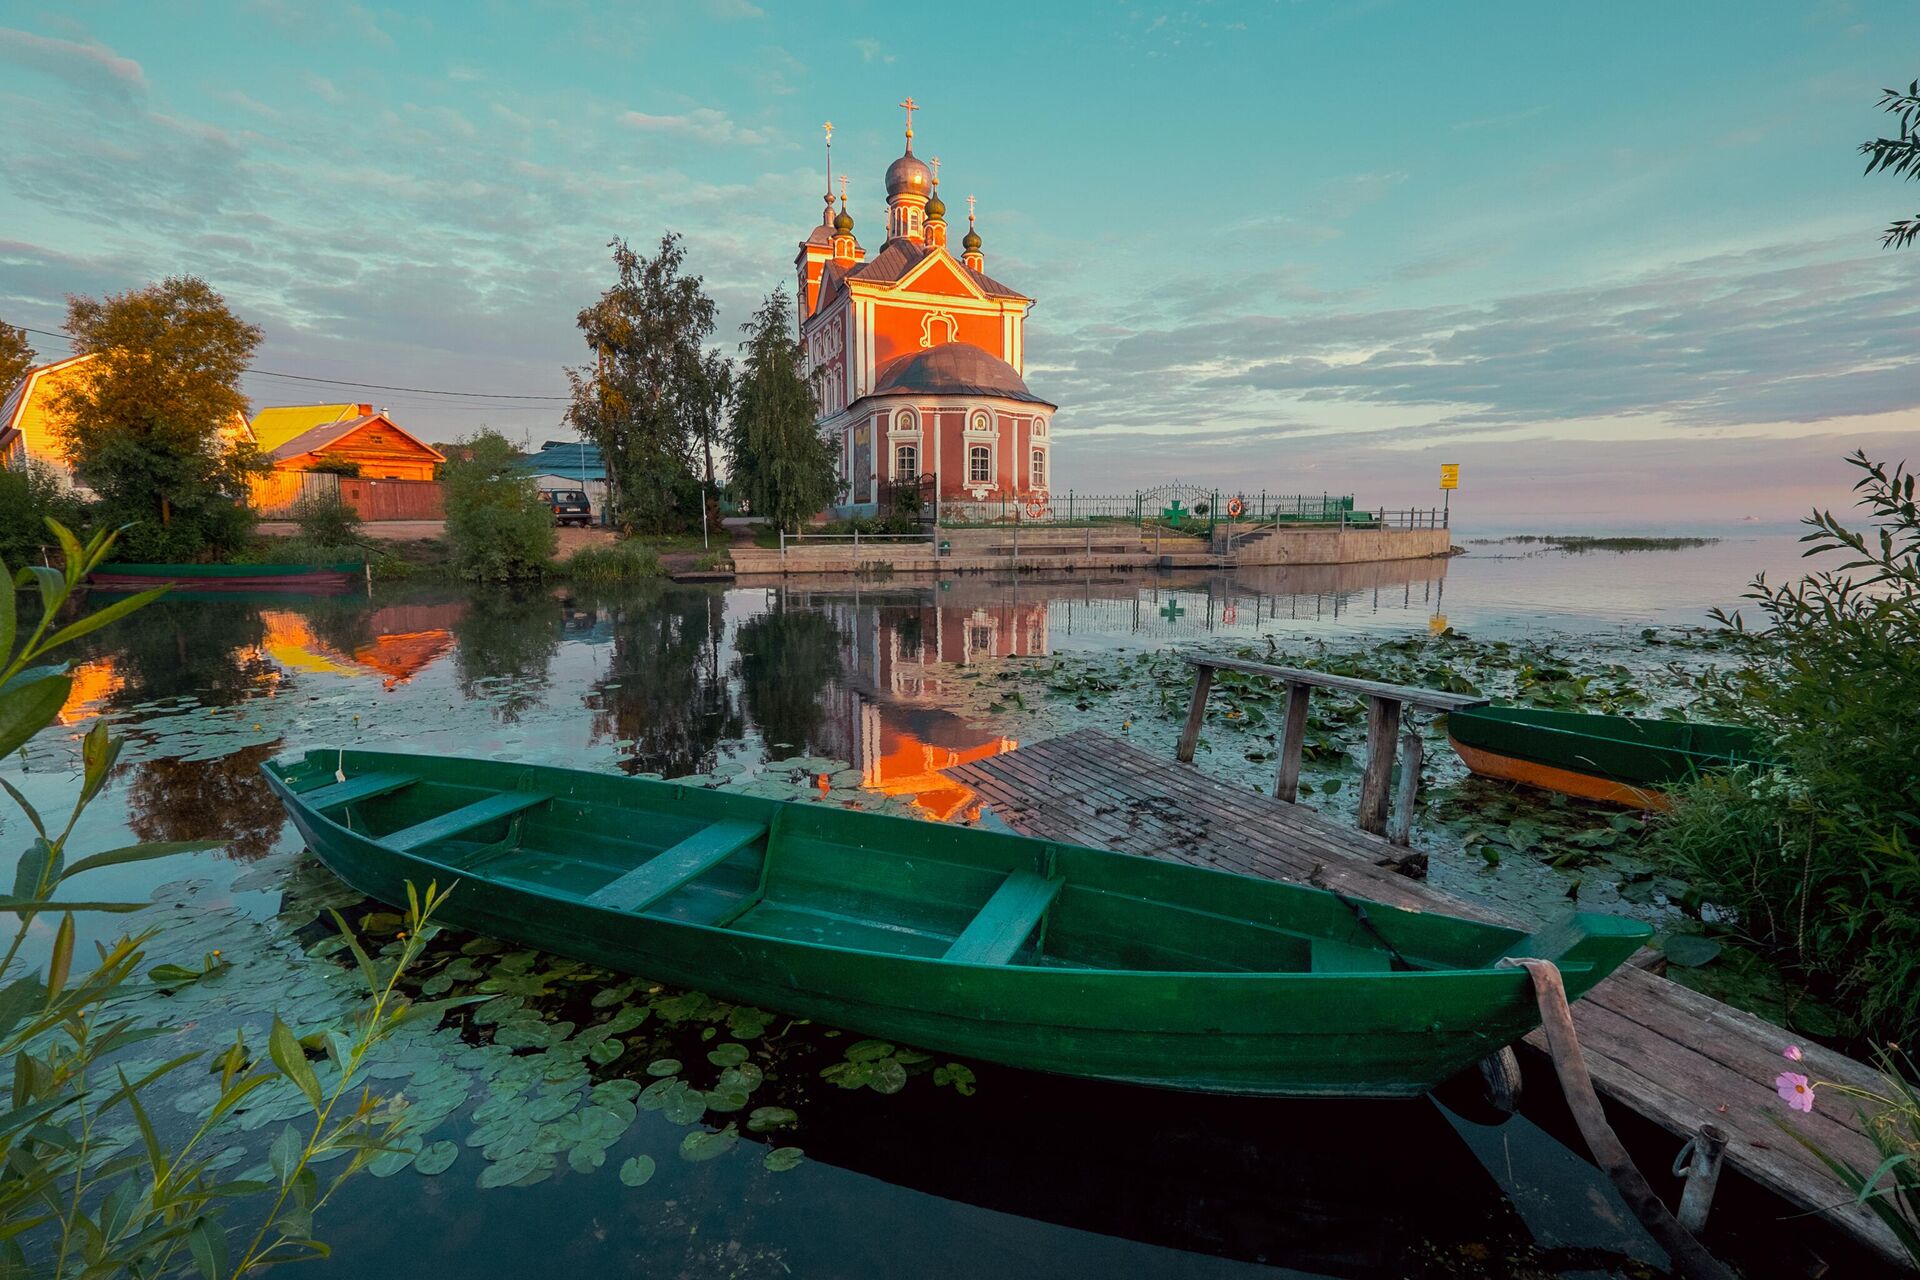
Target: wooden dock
<point x="1670" y="1054"/>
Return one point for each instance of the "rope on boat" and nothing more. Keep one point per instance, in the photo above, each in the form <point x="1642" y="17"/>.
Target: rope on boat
<point x="1360" y="914"/>
<point x="1691" y="1261"/>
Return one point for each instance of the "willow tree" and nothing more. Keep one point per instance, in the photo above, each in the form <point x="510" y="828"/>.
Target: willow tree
<point x="1899" y="155"/>
<point x="154" y="429"/>
<point x="781" y="464"/>
<point x="645" y="396"/>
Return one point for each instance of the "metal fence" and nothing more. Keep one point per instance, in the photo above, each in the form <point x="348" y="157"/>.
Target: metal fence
<point x="1174" y="505"/>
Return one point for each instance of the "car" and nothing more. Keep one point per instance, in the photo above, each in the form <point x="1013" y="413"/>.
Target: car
<point x="570" y="506"/>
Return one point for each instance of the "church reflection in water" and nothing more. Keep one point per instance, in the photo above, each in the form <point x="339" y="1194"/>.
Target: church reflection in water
<point x="895" y="707"/>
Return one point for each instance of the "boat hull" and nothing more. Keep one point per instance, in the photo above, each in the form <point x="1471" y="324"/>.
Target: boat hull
<point x="1381" y="1034"/>
<point x="331" y="579"/>
<point x="1622" y="760"/>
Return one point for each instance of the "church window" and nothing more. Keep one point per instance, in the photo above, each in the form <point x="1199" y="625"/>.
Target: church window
<point x="1039" y="468"/>
<point x="1039" y="426"/>
<point x="979" y="465"/>
<point x="981" y="424"/>
<point x="906" y="462"/>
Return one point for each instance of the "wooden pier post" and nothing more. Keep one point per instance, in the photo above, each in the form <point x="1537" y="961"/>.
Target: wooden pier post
<point x="1293" y="741"/>
<point x="1190" y="735"/>
<point x="1412" y="754"/>
<point x="1383" y="728"/>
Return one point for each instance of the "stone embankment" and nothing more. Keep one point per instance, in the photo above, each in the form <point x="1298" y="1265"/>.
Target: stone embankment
<point x="1046" y="548"/>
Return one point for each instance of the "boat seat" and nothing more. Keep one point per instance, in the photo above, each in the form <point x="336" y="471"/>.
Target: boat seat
<point x="364" y="787"/>
<point x="1007" y="920"/>
<point x="673" y="867"/>
<point x="1343" y="957"/>
<point x="466" y="818"/>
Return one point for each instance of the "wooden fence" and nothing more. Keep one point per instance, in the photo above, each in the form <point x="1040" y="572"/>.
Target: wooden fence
<point x="273" y="496"/>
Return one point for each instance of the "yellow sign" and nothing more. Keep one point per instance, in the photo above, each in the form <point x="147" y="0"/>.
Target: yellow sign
<point x="1449" y="475"/>
<point x="1437" y="624"/>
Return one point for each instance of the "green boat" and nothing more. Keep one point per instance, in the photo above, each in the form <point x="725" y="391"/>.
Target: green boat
<point x="1618" y="759"/>
<point x="997" y="947"/>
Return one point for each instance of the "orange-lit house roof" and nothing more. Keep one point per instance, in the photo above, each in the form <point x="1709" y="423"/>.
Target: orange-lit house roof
<point x="381" y="448"/>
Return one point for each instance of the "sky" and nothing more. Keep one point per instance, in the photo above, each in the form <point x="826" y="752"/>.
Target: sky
<point x="1619" y="261"/>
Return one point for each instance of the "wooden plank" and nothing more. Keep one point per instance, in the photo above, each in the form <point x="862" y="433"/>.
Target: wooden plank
<point x="364" y="787"/>
<point x="1008" y="919"/>
<point x="1431" y="699"/>
<point x="466" y="818"/>
<point x="1190" y="734"/>
<point x="1653" y="1047"/>
<point x="671" y="868"/>
<point x="1383" y="732"/>
<point x="1293" y="742"/>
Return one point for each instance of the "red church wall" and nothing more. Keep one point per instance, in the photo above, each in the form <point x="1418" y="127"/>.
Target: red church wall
<point x="897" y="332"/>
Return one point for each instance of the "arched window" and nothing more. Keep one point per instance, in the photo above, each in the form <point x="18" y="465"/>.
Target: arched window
<point x="905" y="423"/>
<point x="980" y="423"/>
<point x="906" y="462"/>
<point x="1039" y="468"/>
<point x="979" y="465"/>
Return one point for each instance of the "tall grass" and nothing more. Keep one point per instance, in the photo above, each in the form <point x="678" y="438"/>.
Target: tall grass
<point x="621" y="562"/>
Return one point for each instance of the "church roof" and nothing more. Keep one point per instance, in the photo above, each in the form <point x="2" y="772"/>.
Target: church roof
<point x="899" y="256"/>
<point x="953" y="368"/>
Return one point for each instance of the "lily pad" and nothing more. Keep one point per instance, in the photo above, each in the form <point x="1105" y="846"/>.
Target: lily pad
<point x="637" y="1171"/>
<point x="766" y="1119"/>
<point x="1689" y="950"/>
<point x="437" y="1158"/>
<point x="706" y="1144"/>
<point x="781" y="1159"/>
<point x="728" y="1055"/>
<point x="664" y="1067"/>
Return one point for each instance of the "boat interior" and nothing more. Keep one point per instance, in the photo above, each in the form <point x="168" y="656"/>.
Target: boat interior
<point x="816" y="874"/>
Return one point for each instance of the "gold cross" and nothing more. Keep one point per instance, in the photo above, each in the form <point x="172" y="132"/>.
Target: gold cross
<point x="828" y="126"/>
<point x="934" y="164"/>
<point x="843" y="188"/>
<point x="911" y="107"/>
<point x="969" y="210"/>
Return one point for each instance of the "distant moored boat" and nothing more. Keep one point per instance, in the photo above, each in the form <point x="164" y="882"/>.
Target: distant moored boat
<point x="319" y="579"/>
<point x="1625" y="760"/>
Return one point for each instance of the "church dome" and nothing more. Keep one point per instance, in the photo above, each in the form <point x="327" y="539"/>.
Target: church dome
<point x="908" y="176"/>
<point x="953" y="368"/>
<point x="936" y="207"/>
<point x="843" y="222"/>
<point x="971" y="241"/>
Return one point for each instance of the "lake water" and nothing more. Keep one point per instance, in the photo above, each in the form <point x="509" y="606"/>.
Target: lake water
<point x="872" y="685"/>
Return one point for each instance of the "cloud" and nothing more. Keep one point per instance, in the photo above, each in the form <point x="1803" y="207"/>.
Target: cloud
<point x="872" y="51"/>
<point x="92" y="68"/>
<point x="733" y="10"/>
<point x="702" y="124"/>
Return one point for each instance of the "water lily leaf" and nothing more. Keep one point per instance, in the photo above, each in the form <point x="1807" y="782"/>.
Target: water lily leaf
<point x="781" y="1159"/>
<point x="869" y="1051"/>
<point x="664" y="1067"/>
<point x="767" y="1119"/>
<point x="726" y="1100"/>
<point x="606" y="1051"/>
<point x="684" y="1105"/>
<point x="638" y="1171"/>
<point x="615" y="1090"/>
<point x="728" y="1055"/>
<point x="888" y="1076"/>
<point x="744" y="1078"/>
<point x="1689" y="950"/>
<point x="654" y="1096"/>
<point x="586" y="1157"/>
<point x="388" y="1163"/>
<point x="437" y="1158"/>
<point x="747" y="1023"/>
<point x="626" y="1019"/>
<point x="956" y="1074"/>
<point x="705" y="1144"/>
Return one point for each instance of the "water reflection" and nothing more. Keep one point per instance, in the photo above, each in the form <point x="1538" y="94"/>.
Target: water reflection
<point x="175" y="799"/>
<point x="665" y="700"/>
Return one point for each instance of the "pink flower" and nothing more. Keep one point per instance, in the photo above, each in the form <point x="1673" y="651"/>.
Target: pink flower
<point x="1791" y="1053"/>
<point x="1796" y="1089"/>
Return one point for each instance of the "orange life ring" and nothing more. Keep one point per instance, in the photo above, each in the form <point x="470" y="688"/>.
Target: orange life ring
<point x="1036" y="507"/>
<point x="1229" y="615"/>
<point x="1236" y="508"/>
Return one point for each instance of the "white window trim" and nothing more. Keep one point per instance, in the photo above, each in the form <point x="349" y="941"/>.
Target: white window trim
<point x="993" y="463"/>
<point x="898" y="445"/>
<point x="989" y="432"/>
<point x="1045" y="456"/>
<point x="911" y="430"/>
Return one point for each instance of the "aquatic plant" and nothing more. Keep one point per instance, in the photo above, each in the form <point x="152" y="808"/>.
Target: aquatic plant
<point x="88" y="1186"/>
<point x="1820" y="856"/>
<point x="1890" y="1115"/>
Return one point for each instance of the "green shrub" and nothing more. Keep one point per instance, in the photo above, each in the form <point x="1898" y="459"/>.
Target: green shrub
<point x="500" y="527"/>
<point x="1821" y="856"/>
<point x="621" y="562"/>
<point x="29" y="497"/>
<point x="326" y="521"/>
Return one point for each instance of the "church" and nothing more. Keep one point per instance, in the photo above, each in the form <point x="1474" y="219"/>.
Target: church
<point x="916" y="355"/>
